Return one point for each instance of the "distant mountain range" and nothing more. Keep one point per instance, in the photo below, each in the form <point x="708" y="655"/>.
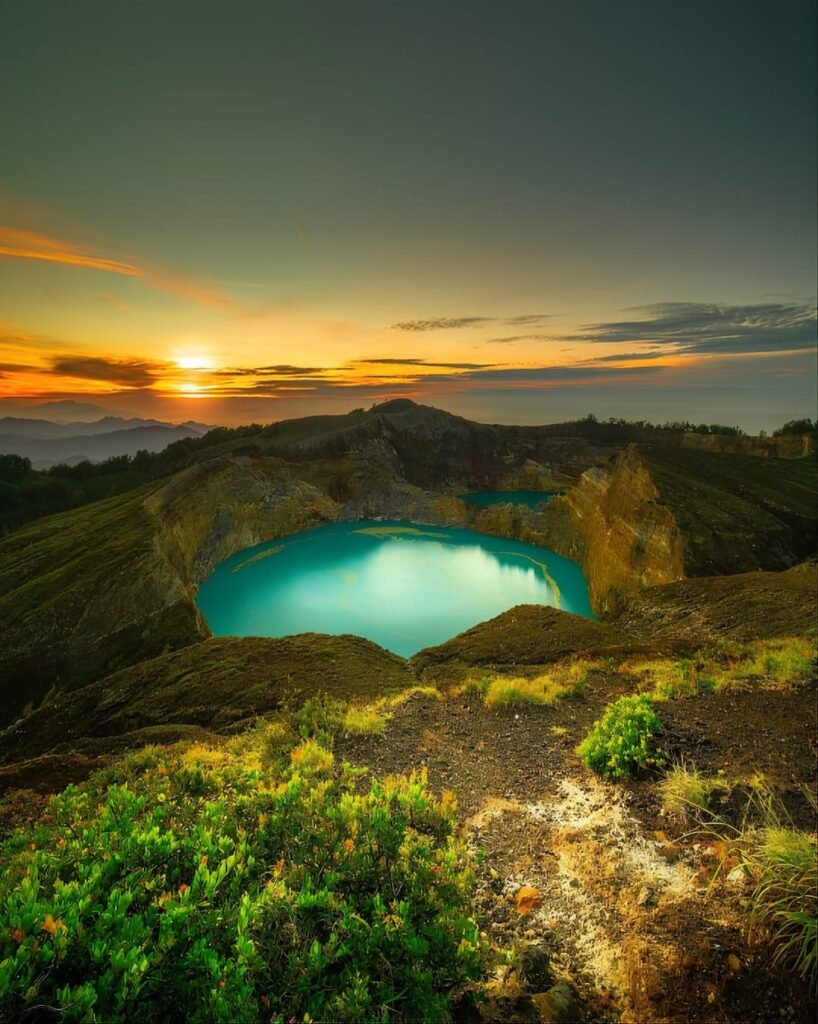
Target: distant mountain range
<point x="47" y="443"/>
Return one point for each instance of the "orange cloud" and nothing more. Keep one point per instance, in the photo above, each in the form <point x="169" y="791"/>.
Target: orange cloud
<point x="29" y="245"/>
<point x="22" y="244"/>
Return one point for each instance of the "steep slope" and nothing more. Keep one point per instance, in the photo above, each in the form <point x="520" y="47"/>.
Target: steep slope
<point x="84" y="593"/>
<point x="655" y="515"/>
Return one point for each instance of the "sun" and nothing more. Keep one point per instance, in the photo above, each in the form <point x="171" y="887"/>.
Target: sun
<point x="193" y="362"/>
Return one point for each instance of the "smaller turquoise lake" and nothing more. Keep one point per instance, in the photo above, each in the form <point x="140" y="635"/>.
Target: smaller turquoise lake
<point x="404" y="586"/>
<point x="530" y="498"/>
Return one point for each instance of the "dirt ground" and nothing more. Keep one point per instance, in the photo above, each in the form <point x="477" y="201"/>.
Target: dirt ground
<point x="628" y="915"/>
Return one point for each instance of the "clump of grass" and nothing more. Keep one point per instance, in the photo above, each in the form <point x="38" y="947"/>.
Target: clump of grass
<point x="365" y="721"/>
<point x="622" y="740"/>
<point x="474" y="685"/>
<point x="686" y="791"/>
<point x="664" y="679"/>
<point x="781" y="862"/>
<point x="560" y="681"/>
<point x="784" y="866"/>
<point x="397" y="699"/>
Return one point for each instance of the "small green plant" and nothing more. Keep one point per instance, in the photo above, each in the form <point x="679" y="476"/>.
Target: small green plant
<point x="474" y="685"/>
<point x="622" y="740"/>
<point x="319" y="718"/>
<point x="687" y="791"/>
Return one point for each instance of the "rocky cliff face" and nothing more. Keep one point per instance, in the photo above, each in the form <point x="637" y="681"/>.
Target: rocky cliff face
<point x="653" y="515"/>
<point x="616" y="526"/>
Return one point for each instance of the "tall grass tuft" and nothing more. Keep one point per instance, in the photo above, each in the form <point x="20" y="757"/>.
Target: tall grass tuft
<point x="560" y="681"/>
<point x="687" y="791"/>
<point x="781" y="863"/>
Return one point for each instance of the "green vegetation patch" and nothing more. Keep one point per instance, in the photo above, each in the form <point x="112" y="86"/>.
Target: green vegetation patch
<point x="561" y="681"/>
<point x="622" y="740"/>
<point x="776" y="664"/>
<point x="780" y="863"/>
<point x="248" y="882"/>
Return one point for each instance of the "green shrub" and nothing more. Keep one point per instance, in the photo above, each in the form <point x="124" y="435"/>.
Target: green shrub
<point x="197" y="885"/>
<point x="622" y="739"/>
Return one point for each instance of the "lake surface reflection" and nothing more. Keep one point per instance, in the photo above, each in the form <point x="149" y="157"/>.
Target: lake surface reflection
<point x="404" y="586"/>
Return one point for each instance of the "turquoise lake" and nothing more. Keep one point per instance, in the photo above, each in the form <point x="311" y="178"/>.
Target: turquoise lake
<point x="530" y="498"/>
<point x="404" y="586"/>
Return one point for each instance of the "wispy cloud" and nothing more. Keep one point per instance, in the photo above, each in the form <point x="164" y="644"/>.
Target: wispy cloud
<point x="29" y="245"/>
<point x="448" y="323"/>
<point x="517" y="337"/>
<point x="419" y="362"/>
<point x="281" y="370"/>
<point x="627" y="357"/>
<point x="23" y="244"/>
<point x="692" y="327"/>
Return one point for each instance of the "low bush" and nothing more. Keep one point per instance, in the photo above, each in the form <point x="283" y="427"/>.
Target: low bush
<point x="622" y="740"/>
<point x="199" y="885"/>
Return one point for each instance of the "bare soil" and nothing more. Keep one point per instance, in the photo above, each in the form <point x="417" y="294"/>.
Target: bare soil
<point x="628" y="914"/>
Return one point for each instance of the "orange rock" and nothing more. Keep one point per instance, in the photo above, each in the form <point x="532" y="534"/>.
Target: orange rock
<point x="527" y="899"/>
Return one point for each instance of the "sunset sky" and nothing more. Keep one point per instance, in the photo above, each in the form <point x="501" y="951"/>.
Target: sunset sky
<point x="518" y="211"/>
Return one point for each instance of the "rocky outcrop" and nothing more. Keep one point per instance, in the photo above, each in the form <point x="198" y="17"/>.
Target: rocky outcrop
<point x="206" y="513"/>
<point x="616" y="526"/>
<point x="650" y="516"/>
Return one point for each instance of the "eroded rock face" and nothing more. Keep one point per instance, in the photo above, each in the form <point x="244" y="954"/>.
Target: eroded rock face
<point x="207" y="513"/>
<point x="616" y="526"/>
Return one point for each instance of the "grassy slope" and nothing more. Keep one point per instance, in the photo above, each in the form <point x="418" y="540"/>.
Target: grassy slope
<point x="738" y="511"/>
<point x="214" y="685"/>
<point x="85" y="592"/>
<point x="746" y="606"/>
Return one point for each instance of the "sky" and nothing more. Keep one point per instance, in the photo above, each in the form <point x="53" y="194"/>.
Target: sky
<point x="521" y="212"/>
